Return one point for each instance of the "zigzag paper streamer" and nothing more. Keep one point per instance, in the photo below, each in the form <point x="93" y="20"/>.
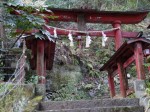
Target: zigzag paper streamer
<point x="88" y="41"/>
<point x="71" y="39"/>
<point x="55" y="33"/>
<point x="104" y="39"/>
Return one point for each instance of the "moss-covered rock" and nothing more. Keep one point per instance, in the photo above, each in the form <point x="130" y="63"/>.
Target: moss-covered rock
<point x="33" y="104"/>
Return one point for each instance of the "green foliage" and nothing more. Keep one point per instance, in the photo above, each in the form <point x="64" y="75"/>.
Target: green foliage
<point x="117" y="5"/>
<point x="33" y="104"/>
<point x="132" y="96"/>
<point x="16" y="100"/>
<point x="69" y="92"/>
<point x="147" y="87"/>
<point x="65" y="87"/>
<point x="88" y="86"/>
<point x="33" y="79"/>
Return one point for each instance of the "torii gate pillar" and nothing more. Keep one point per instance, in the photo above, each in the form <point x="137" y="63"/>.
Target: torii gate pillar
<point x="118" y="35"/>
<point x="121" y="70"/>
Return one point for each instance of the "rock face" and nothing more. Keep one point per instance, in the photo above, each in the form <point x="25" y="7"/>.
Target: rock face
<point x="107" y="105"/>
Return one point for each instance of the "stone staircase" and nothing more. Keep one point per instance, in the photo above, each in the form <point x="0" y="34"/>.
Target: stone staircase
<point x="101" y="105"/>
<point x="8" y="59"/>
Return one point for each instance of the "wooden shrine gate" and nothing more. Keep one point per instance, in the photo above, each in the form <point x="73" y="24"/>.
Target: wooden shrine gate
<point x="129" y="52"/>
<point x="81" y="17"/>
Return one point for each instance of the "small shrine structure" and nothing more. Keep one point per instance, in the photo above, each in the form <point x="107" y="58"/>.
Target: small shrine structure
<point x="129" y="52"/>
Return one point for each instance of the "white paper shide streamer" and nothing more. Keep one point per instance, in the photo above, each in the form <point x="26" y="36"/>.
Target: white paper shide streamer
<point x="55" y="33"/>
<point x="88" y="41"/>
<point x="71" y="39"/>
<point x="104" y="39"/>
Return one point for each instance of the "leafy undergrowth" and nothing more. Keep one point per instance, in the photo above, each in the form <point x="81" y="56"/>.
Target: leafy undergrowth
<point x="17" y="99"/>
<point x="76" y="74"/>
<point x="32" y="104"/>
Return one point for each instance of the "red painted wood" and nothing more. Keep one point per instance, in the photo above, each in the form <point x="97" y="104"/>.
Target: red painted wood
<point x="118" y="35"/>
<point x="105" y="17"/>
<point x="50" y="52"/>
<point x="138" y="52"/>
<point x="125" y="65"/>
<point x="121" y="72"/>
<point x="129" y="61"/>
<point x="111" y="85"/>
<point x="81" y="27"/>
<point x="124" y="18"/>
<point x="44" y="80"/>
<point x="40" y="61"/>
<point x="33" y="60"/>
<point x="91" y="16"/>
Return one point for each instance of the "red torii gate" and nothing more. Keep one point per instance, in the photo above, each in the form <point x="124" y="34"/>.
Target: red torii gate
<point x="83" y="16"/>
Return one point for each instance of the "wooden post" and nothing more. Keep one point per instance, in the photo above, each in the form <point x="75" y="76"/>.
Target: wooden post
<point x="121" y="71"/>
<point x="138" y="53"/>
<point x="126" y="79"/>
<point x="111" y="85"/>
<point x="118" y="35"/>
<point x="50" y="54"/>
<point x="33" y="60"/>
<point x="40" y="61"/>
<point x="122" y="79"/>
<point x="81" y="27"/>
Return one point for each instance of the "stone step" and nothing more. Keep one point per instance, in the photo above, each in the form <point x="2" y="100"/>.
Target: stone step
<point x="8" y="68"/>
<point x="6" y="74"/>
<point x="58" y="105"/>
<point x="9" y="55"/>
<point x="102" y="109"/>
<point x="7" y="59"/>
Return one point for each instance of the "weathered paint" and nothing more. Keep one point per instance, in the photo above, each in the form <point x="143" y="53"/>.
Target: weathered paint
<point x="91" y="16"/>
<point x="40" y="61"/>
<point x="33" y="60"/>
<point x="49" y="54"/>
<point x="118" y="34"/>
<point x="81" y="27"/>
<point x="138" y="53"/>
<point x="129" y="61"/>
<point x="111" y="85"/>
<point x="121" y="72"/>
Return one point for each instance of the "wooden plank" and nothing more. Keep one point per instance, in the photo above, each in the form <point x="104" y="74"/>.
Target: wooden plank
<point x="125" y="65"/>
<point x="50" y="51"/>
<point x="118" y="35"/>
<point x="138" y="52"/>
<point x="122" y="79"/>
<point x="81" y="27"/>
<point x="111" y="85"/>
<point x="40" y="61"/>
<point x="91" y="16"/>
<point x="129" y="61"/>
<point x="33" y="59"/>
